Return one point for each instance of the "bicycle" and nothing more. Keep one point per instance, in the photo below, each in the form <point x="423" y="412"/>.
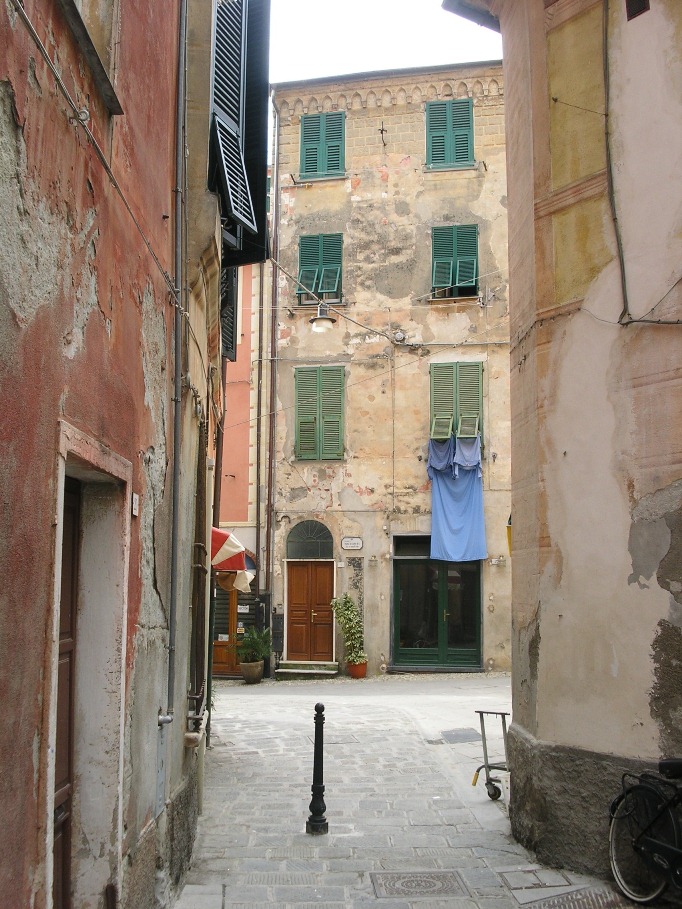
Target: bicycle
<point x="644" y="832"/>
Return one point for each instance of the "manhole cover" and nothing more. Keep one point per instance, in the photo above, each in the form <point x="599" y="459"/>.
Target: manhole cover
<point x="457" y="736"/>
<point x="417" y="884"/>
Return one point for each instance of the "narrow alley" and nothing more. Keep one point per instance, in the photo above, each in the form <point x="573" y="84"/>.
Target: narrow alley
<point x="406" y="827"/>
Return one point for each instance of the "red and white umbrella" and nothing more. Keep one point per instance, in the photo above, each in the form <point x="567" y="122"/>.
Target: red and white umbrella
<point x="228" y="554"/>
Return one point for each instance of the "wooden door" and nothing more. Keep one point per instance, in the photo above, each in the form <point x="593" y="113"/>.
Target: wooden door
<point x="310" y="624"/>
<point x="225" y="662"/>
<point x="63" y="784"/>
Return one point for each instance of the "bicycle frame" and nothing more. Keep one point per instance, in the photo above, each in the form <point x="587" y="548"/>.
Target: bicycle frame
<point x="661" y="855"/>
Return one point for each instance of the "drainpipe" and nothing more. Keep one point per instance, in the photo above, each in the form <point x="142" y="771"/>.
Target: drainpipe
<point x="217" y="490"/>
<point x="259" y="431"/>
<point x="177" y="377"/>
<point x="270" y="527"/>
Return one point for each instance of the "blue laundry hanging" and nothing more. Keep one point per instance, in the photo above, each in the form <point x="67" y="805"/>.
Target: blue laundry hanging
<point x="457" y="522"/>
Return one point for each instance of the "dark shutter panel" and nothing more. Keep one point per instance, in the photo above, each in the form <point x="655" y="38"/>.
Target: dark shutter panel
<point x="462" y="114"/>
<point x="443" y="398"/>
<point x="228" y="311"/>
<point x="334" y="140"/>
<point x="228" y="79"/>
<point x="331" y="262"/>
<point x="228" y="104"/>
<point x="308" y="266"/>
<point x="311" y="144"/>
<point x="306" y="416"/>
<point x="466" y="252"/>
<point x="437" y="133"/>
<point x="442" y="256"/>
<point x="469" y="396"/>
<point x="331" y="411"/>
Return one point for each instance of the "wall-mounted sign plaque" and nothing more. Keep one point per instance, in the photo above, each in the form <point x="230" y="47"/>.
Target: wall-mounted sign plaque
<point x="351" y="543"/>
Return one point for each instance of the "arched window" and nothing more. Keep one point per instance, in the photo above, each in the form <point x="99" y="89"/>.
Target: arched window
<point x="310" y="540"/>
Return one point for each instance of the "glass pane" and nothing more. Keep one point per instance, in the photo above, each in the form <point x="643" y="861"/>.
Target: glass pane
<point x="310" y="540"/>
<point x="463" y="607"/>
<point x="412" y="546"/>
<point x="418" y="604"/>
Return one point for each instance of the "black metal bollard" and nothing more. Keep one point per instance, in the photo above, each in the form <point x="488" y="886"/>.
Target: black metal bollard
<point x="317" y="822"/>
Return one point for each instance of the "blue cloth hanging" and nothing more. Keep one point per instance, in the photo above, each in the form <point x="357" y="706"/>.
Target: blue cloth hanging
<point x="457" y="521"/>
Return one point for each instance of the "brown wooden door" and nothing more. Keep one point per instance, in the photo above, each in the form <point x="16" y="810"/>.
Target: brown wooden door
<point x="310" y="624"/>
<point x="63" y="784"/>
<point x="225" y="662"/>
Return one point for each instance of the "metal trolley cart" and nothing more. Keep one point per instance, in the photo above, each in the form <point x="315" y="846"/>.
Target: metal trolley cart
<point x="491" y="782"/>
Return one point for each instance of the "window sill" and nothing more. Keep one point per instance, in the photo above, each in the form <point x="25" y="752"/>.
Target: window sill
<point x="304" y="179"/>
<point x="437" y="169"/>
<point x="305" y="305"/>
<point x="469" y="298"/>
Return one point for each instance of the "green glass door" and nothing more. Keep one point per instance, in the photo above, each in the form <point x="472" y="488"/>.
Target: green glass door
<point x="437" y="614"/>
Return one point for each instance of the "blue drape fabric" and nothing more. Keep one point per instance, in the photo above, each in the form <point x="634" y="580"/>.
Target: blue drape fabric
<point x="457" y="522"/>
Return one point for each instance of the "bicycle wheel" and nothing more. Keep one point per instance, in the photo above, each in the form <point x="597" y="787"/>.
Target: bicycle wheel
<point x="634" y="871"/>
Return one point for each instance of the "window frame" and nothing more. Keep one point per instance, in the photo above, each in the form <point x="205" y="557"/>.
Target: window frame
<point x="452" y="246"/>
<point x="318" y="144"/>
<point x="450" y="134"/>
<point x="319" y="413"/>
<point x="320" y="256"/>
<point x="455" y="397"/>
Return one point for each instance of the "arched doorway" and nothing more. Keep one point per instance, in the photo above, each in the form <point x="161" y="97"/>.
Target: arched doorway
<point x="310" y="588"/>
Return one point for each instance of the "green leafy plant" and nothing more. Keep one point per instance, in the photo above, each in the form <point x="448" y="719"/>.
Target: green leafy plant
<point x="350" y="621"/>
<point x="254" y="645"/>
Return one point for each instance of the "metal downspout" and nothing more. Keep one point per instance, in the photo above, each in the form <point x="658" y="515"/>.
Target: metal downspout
<point x="259" y="431"/>
<point x="177" y="377"/>
<point x="270" y="525"/>
<point x="217" y="489"/>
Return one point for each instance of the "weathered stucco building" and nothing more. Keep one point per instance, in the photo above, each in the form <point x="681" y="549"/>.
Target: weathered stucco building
<point x="389" y="207"/>
<point x="593" y="107"/>
<point x="109" y="374"/>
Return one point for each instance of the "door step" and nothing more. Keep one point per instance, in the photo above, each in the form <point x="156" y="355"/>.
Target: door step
<point x="289" y="669"/>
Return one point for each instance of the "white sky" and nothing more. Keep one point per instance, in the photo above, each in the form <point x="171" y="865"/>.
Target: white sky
<point x="314" y="38"/>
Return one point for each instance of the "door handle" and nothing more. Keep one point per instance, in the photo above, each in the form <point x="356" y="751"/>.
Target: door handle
<point x="445" y="615"/>
<point x="312" y="616"/>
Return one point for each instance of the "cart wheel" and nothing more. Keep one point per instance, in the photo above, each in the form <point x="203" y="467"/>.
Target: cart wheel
<point x="494" y="792"/>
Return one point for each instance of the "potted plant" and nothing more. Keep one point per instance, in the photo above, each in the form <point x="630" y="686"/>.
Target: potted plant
<point x="350" y="621"/>
<point x="253" y="648"/>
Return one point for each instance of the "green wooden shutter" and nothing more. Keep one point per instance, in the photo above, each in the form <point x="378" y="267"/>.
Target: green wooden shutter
<point x="331" y="261"/>
<point x="306" y="412"/>
<point x="442" y="256"/>
<point x="443" y="397"/>
<point x="311" y="145"/>
<point x="308" y="263"/>
<point x="450" y="133"/>
<point x="437" y="133"/>
<point x="323" y="144"/>
<point x="334" y="142"/>
<point x="466" y="254"/>
<point x="228" y="105"/>
<point x="469" y="399"/>
<point x="462" y="123"/>
<point x="331" y="411"/>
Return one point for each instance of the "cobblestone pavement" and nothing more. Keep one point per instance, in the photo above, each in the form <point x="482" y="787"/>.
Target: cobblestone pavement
<point x="406" y="828"/>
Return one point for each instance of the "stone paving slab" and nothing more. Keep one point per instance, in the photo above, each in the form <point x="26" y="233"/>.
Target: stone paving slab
<point x="396" y="804"/>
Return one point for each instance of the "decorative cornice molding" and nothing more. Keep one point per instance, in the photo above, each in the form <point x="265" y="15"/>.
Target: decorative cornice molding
<point x="563" y="198"/>
<point x="563" y="10"/>
<point x="488" y="90"/>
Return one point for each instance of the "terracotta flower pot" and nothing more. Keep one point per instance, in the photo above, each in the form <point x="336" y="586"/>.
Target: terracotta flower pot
<point x="252" y="672"/>
<point x="357" y="670"/>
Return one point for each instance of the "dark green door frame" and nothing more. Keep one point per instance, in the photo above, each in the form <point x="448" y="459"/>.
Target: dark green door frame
<point x="437" y="614"/>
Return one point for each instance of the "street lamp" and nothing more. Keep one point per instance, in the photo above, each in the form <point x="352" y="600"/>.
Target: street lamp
<point x="323" y="321"/>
